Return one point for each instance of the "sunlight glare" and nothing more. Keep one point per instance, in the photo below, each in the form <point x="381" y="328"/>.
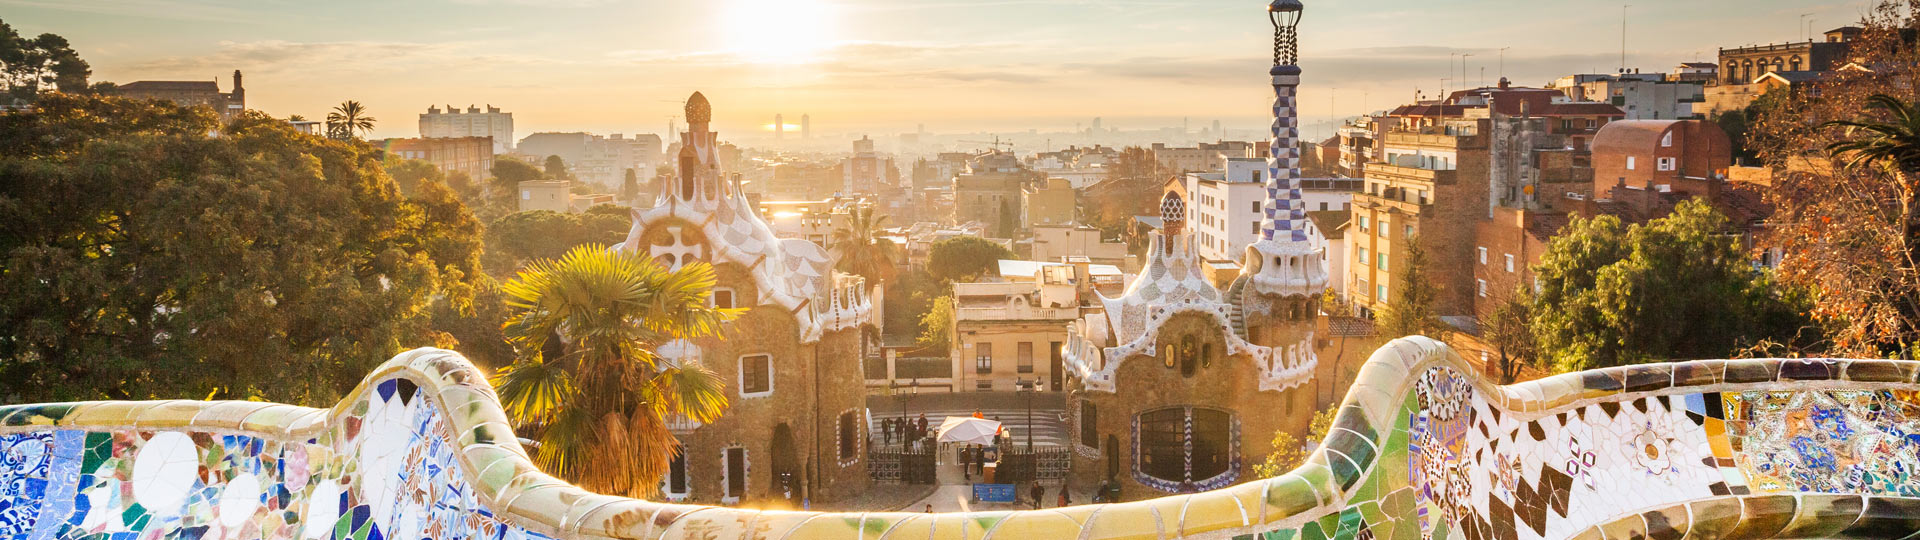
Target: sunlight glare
<point x="778" y="31"/>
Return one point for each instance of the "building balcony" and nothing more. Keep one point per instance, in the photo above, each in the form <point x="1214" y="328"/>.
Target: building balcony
<point x="1381" y="170"/>
<point x="1383" y="202"/>
<point x="1434" y="138"/>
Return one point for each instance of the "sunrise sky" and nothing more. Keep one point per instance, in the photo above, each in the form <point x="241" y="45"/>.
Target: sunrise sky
<point x="878" y="66"/>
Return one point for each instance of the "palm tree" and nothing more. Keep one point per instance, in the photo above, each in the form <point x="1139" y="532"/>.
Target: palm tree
<point x="862" y="248"/>
<point x="589" y="387"/>
<point x="348" y="120"/>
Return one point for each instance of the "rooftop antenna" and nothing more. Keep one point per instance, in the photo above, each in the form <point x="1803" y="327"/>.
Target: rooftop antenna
<point x="1503" y="62"/>
<point x="1450" y="57"/>
<point x="1463" y="68"/>
<point x="1623" y="36"/>
<point x="1806" y="28"/>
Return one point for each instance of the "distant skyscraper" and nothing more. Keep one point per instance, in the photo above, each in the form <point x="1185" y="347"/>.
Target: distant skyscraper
<point x="1216" y="130"/>
<point x="779" y="126"/>
<point x="806" y="126"/>
<point x="436" y="123"/>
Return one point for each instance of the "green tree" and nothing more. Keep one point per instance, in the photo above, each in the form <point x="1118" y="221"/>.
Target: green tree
<point x="1674" y="288"/>
<point x="348" y="120"/>
<point x="408" y="174"/>
<point x="588" y="385"/>
<point x="1410" y="310"/>
<point x="32" y="65"/>
<point x="936" y="326"/>
<point x="863" y="249"/>
<point x="1289" y="452"/>
<point x="963" y="258"/>
<point x="517" y="238"/>
<point x="630" y="188"/>
<point x="1508" y="330"/>
<point x="557" y="169"/>
<point x="143" y="258"/>
<point x="508" y="173"/>
<point x="908" y="299"/>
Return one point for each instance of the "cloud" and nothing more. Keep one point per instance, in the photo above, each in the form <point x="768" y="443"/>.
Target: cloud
<point x="279" y="56"/>
<point x="147" y="9"/>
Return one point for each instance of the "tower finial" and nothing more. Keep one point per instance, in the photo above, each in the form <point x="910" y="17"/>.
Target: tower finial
<point x="1285" y="15"/>
<point x="698" y="110"/>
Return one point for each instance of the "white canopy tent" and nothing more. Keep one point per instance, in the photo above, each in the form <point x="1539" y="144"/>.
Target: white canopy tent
<point x="964" y="429"/>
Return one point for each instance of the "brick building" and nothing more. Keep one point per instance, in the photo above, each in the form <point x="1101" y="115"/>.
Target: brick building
<point x="1641" y="170"/>
<point x="796" y="426"/>
<point x="470" y="155"/>
<point x="191" y="93"/>
<point x="1443" y="166"/>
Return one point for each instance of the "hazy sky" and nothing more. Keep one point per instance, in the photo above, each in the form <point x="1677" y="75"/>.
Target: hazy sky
<point x="878" y="66"/>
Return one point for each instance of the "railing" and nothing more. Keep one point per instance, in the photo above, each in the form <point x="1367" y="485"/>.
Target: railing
<point x="902" y="466"/>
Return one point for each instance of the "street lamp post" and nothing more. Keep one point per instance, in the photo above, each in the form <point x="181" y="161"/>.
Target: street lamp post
<point x="1028" y="387"/>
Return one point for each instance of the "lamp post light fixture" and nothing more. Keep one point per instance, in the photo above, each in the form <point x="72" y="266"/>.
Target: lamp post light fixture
<point x="1285" y="15"/>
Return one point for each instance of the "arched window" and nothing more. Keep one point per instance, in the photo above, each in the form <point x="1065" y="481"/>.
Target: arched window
<point x="1794" y="63"/>
<point x="1189" y="353"/>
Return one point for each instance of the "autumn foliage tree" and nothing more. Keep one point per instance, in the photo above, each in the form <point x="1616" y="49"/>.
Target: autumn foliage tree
<point x="1847" y="195"/>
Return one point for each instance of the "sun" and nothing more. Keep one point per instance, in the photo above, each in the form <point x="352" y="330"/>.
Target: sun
<point x="778" y="31"/>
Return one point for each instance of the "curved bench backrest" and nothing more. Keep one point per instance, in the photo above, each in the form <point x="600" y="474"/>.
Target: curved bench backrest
<point x="1421" y="448"/>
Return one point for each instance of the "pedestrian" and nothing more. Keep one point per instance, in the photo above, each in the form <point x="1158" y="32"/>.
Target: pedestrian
<point x="1038" y="491"/>
<point x="1065" y="501"/>
<point x="886" y="431"/>
<point x="929" y="508"/>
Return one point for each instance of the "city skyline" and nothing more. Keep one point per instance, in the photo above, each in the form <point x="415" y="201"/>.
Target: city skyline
<point x="872" y="67"/>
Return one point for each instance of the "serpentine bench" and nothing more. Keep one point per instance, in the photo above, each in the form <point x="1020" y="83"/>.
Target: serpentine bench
<point x="1421" y="448"/>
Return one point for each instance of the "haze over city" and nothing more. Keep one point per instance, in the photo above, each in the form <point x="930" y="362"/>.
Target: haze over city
<point x="989" y="269"/>
<point x="880" y="66"/>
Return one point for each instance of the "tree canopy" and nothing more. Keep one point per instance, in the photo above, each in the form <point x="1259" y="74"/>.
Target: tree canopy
<point x="1674" y="288"/>
<point x="517" y="238"/>
<point x="144" y="257"/>
<point x="1412" y="310"/>
<point x="1847" y="217"/>
<point x="44" y="62"/>
<point x="965" y="257"/>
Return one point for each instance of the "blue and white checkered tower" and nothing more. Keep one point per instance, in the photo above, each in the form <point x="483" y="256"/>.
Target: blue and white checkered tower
<point x="1289" y="257"/>
<point x="1284" y="210"/>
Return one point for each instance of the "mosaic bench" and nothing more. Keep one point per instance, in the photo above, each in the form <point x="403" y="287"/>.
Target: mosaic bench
<point x="1421" y="448"/>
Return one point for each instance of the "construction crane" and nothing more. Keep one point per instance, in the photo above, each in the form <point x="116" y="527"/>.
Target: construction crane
<point x="995" y="143"/>
<point x="671" y="118"/>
